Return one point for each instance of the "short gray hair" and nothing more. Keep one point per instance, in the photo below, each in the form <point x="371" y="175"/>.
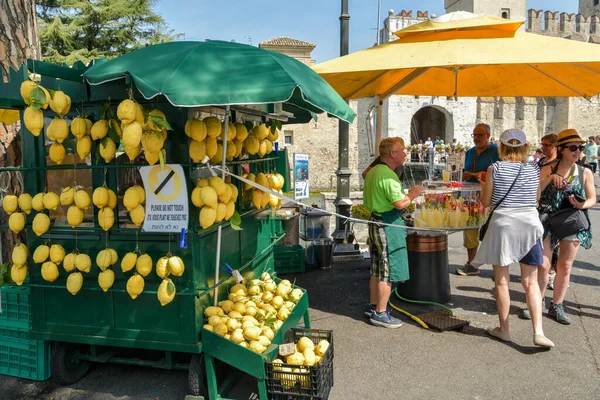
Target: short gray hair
<point x="486" y="126"/>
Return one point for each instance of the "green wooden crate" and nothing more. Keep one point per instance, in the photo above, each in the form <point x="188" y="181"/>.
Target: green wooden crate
<point x="289" y="260"/>
<point x="29" y="359"/>
<point x="15" y="313"/>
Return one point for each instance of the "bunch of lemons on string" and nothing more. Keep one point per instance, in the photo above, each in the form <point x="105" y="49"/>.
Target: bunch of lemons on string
<point x="134" y="200"/>
<point x="207" y="138"/>
<point x="107" y="132"/>
<point x="216" y="200"/>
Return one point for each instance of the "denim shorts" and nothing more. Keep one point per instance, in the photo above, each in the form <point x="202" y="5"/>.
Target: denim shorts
<point x="534" y="257"/>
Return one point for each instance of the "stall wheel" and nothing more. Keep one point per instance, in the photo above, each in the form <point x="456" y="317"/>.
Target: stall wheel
<point x="66" y="366"/>
<point x="197" y="376"/>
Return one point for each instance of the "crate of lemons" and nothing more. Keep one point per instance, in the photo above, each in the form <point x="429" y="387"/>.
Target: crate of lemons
<point x="254" y="312"/>
<point x="75" y="264"/>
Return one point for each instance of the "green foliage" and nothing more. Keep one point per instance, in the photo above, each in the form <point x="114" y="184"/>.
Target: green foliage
<point x="72" y="30"/>
<point x="5" y="274"/>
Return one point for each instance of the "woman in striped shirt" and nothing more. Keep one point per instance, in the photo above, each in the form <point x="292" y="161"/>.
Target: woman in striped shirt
<point x="514" y="231"/>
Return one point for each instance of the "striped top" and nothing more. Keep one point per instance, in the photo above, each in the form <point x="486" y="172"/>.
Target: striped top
<point x="524" y="193"/>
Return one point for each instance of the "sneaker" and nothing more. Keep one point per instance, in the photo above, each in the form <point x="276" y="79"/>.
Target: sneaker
<point x="557" y="312"/>
<point x="551" y="282"/>
<point x="467" y="269"/>
<point x="385" y="320"/>
<point x="525" y="312"/>
<point x="369" y="308"/>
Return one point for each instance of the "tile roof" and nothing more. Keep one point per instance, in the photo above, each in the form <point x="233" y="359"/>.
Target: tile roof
<point x="287" y="42"/>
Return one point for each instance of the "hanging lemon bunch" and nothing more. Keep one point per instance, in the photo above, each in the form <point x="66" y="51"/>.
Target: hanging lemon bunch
<point x="37" y="98"/>
<point x="105" y="200"/>
<point x="134" y="200"/>
<point x="216" y="200"/>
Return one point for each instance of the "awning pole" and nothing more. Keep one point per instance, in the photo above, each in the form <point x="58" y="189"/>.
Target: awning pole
<point x="220" y="228"/>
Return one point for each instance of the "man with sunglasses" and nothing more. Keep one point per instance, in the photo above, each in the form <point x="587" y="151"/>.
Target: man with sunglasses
<point x="477" y="160"/>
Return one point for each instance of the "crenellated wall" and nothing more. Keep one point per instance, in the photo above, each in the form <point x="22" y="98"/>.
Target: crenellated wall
<point x="585" y="28"/>
<point x="399" y="21"/>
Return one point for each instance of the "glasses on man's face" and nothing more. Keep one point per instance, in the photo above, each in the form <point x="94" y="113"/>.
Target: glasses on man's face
<point x="573" y="148"/>
<point x="477" y="135"/>
<point x="547" y="145"/>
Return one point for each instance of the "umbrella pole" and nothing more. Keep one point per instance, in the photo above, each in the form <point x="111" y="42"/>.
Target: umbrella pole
<point x="378" y="123"/>
<point x="220" y="228"/>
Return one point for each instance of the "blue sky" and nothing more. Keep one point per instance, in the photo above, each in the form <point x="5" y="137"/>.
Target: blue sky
<point x="315" y="21"/>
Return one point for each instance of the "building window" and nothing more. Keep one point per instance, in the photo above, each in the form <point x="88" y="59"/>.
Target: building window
<point x="289" y="137"/>
<point x="506" y="13"/>
<point x="596" y="2"/>
<point x="498" y="108"/>
<point x="520" y="109"/>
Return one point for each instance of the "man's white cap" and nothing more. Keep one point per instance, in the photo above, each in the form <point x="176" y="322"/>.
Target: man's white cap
<point x="513" y="138"/>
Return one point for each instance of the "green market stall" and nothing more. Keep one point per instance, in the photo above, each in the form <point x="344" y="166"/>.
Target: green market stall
<point x="185" y="81"/>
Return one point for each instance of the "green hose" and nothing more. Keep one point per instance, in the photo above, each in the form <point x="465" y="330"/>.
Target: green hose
<point x="422" y="302"/>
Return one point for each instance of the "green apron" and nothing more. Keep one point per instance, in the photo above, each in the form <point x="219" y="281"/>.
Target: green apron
<point x="396" y="241"/>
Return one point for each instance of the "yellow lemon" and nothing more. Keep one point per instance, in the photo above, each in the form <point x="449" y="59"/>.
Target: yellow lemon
<point x="40" y="224"/>
<point x="82" y="199"/>
<point x="138" y="214"/>
<point x="143" y="265"/>
<point x="49" y="271"/>
<point x="108" y="150"/>
<point x="135" y="286"/>
<point x="34" y="120"/>
<point x="103" y="259"/>
<point x="221" y="210"/>
<point x="83" y="262"/>
<point x="19" y="254"/>
<point x="51" y="201"/>
<point x="78" y="127"/>
<point x="230" y="210"/>
<point x="176" y="266"/>
<point x="99" y="129"/>
<point x="18" y="273"/>
<point x="162" y="267"/>
<point x="74" y="282"/>
<point x="100" y="197"/>
<point x="197" y="151"/>
<point x="10" y="203"/>
<point x="231" y="131"/>
<point x="131" y="199"/>
<point x="74" y="216"/>
<point x="57" y="153"/>
<point x="41" y="254"/>
<point x="196" y="197"/>
<point x="151" y="158"/>
<point x="58" y="130"/>
<point x="112" y="199"/>
<point x="241" y="133"/>
<point x="133" y="152"/>
<point x="24" y="202"/>
<point x="126" y="111"/>
<point x="251" y="144"/>
<point x="209" y="196"/>
<point x="141" y="193"/>
<point x="60" y="103"/>
<point x="37" y="203"/>
<point x="84" y="146"/>
<point x="197" y="130"/>
<point x="67" y="196"/>
<point x="106" y="279"/>
<point x="217" y="183"/>
<point x="128" y="262"/>
<point x="57" y="254"/>
<point x="218" y="157"/>
<point x="213" y="126"/>
<point x="26" y="88"/>
<point x="166" y="292"/>
<point x="207" y="217"/>
<point x="211" y="146"/>
<point x="106" y="218"/>
<point x="152" y="142"/>
<point x="69" y="262"/>
<point x="260" y="131"/>
<point x="114" y="257"/>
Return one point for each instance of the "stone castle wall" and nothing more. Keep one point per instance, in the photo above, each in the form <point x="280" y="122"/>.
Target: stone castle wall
<point x="585" y="28"/>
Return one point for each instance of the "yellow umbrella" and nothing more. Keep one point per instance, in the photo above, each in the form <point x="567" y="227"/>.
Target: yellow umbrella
<point x="476" y="56"/>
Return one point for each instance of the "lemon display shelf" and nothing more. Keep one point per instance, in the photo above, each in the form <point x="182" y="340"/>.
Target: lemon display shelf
<point x="94" y="326"/>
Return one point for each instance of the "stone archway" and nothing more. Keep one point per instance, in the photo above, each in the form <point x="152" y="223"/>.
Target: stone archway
<point x="432" y="121"/>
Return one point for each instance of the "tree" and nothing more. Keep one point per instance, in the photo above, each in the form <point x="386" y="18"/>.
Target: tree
<point x="72" y="30"/>
<point x="19" y="41"/>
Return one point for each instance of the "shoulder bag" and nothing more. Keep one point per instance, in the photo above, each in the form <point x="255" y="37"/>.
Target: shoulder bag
<point x="484" y="227"/>
<point x="570" y="220"/>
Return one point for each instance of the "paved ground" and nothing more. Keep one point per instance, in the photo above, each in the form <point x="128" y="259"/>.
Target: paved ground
<point x="410" y="362"/>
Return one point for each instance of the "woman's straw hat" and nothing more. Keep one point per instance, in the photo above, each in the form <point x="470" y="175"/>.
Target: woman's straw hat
<point x="568" y="136"/>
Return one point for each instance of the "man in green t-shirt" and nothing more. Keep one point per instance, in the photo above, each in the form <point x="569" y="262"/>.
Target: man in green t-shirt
<point x="384" y="196"/>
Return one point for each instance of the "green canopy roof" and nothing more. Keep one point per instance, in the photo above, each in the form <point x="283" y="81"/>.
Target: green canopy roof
<point x="218" y="73"/>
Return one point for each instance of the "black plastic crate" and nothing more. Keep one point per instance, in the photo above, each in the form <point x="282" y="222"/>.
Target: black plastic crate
<point x="289" y="259"/>
<point x="307" y="383"/>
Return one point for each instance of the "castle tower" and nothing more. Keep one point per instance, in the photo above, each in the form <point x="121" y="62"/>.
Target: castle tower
<point x="509" y="9"/>
<point x="589" y="7"/>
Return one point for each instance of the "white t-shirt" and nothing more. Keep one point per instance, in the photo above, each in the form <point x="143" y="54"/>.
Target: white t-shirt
<point x="429" y="143"/>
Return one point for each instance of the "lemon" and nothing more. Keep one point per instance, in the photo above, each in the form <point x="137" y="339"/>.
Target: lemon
<point x="257" y="198"/>
<point x="84" y="146"/>
<point x="231" y="131"/>
<point x="115" y="125"/>
<point x="24" y="202"/>
<point x="152" y="142"/>
<point x="262" y="148"/>
<point x="141" y="193"/>
<point x="132" y="134"/>
<point x="155" y="113"/>
<point x="250" y="177"/>
<point x="60" y="103"/>
<point x="103" y="259"/>
<point x="82" y="199"/>
<point x="239" y="147"/>
<point x="207" y="217"/>
<point x="40" y="224"/>
<point x="106" y="279"/>
<point x="234" y="192"/>
<point x="10" y="203"/>
<point x="211" y="147"/>
<point x="34" y="120"/>
<point x="231" y="150"/>
<point x="176" y="266"/>
<point x="78" y="127"/>
<point x="218" y="157"/>
<point x="37" y="203"/>
<point x="128" y="262"/>
<point x="49" y="271"/>
<point x="112" y="199"/>
<point x="273" y="200"/>
<point x="74" y="282"/>
<point x="133" y="152"/>
<point x="241" y="133"/>
<point x="262" y="180"/>
<point x="99" y="129"/>
<point x="273" y="136"/>
<point x="138" y="214"/>
<point x="196" y="197"/>
<point x="143" y="264"/>
<point x="18" y="273"/>
<point x="26" y="88"/>
<point x="88" y="124"/>
<point x="197" y="151"/>
<point x="213" y="126"/>
<point x="126" y="111"/>
<point x="202" y="183"/>
<point x="135" y="286"/>
<point x="57" y="153"/>
<point x="114" y="257"/>
<point x="41" y="254"/>
<point x="166" y="292"/>
<point x="151" y="158"/>
<point x="106" y="218"/>
<point x="260" y="131"/>
<point x="74" y="216"/>
<point x="217" y="183"/>
<point x="100" y="197"/>
<point x="162" y="267"/>
<point x="230" y="209"/>
<point x="58" y="129"/>
<point x="197" y="130"/>
<point x="57" y="254"/>
<point x="221" y="210"/>
<point x="226" y="195"/>
<point x="67" y="196"/>
<point x="19" y="254"/>
<point x="16" y="222"/>
<point x="108" y="150"/>
<point x="209" y="196"/>
<point x="83" y="262"/>
<point x="265" y="199"/>
<point x="139" y="114"/>
<point x="251" y="144"/>
<point x="131" y="198"/>
<point x="69" y="262"/>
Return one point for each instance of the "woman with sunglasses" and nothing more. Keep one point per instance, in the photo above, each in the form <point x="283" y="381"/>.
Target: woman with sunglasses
<point x="565" y="184"/>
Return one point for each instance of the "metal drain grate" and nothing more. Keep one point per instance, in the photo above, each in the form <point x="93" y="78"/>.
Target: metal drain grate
<point x="443" y="321"/>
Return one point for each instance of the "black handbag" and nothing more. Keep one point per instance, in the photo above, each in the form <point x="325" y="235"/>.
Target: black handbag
<point x="484" y="227"/>
<point x="567" y="222"/>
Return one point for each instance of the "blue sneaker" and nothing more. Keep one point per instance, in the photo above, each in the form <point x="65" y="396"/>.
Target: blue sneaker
<point x="385" y="320"/>
<point x="369" y="308"/>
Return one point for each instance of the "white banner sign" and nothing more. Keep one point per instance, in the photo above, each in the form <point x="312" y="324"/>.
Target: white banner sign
<point x="166" y="198"/>
<point x="301" y="186"/>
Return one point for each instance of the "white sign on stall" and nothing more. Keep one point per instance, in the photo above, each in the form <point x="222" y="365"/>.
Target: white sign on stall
<point x="301" y="178"/>
<point x="167" y="207"/>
